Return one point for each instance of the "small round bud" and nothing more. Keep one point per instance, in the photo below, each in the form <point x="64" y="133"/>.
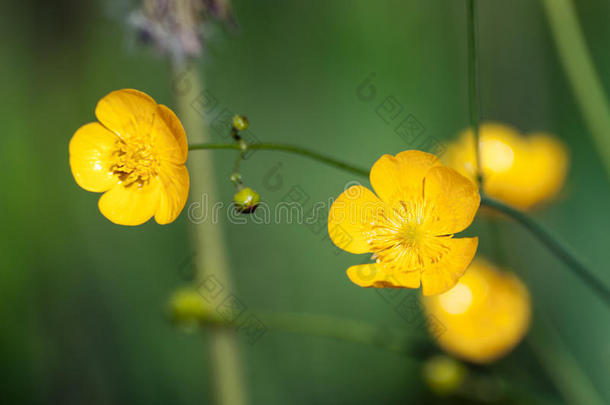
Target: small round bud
<point x="443" y="374"/>
<point x="246" y="200"/>
<point x="236" y="178"/>
<point x="188" y="308"/>
<point x="240" y="122"/>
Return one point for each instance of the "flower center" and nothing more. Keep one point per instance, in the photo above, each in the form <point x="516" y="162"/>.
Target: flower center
<point x="400" y="238"/>
<point x="135" y="161"/>
<point x="412" y="233"/>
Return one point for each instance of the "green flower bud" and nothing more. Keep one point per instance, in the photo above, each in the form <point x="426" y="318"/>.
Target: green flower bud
<point x="188" y="308"/>
<point x="240" y="123"/>
<point x="443" y="374"/>
<point x="236" y="179"/>
<point x="246" y="200"/>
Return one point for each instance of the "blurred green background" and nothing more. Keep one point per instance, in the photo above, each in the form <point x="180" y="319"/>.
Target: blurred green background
<point x="82" y="301"/>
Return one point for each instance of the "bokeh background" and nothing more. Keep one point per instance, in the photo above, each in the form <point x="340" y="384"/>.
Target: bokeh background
<point x="83" y="301"/>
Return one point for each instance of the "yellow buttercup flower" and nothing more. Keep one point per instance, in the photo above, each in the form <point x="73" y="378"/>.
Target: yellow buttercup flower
<point x="408" y="225"/>
<point x="135" y="155"/>
<point x="484" y="316"/>
<point x="521" y="171"/>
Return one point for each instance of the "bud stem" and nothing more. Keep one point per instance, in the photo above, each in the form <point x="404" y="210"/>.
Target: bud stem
<point x="290" y="149"/>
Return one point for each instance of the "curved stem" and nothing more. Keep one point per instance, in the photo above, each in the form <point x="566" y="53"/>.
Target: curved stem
<point x="390" y="339"/>
<point x="473" y="84"/>
<point x="558" y="249"/>
<point x="580" y="70"/>
<point x="290" y="149"/>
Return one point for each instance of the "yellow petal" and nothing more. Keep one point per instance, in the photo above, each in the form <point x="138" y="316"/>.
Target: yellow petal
<point x="166" y="143"/>
<point x="401" y="177"/>
<point x="175" y="189"/>
<point x="176" y="128"/>
<point x="554" y="160"/>
<point x="132" y="205"/>
<point x="444" y="274"/>
<point x="521" y="171"/>
<point x="91" y="150"/>
<point x="126" y="112"/>
<point x="499" y="146"/>
<point x="351" y="217"/>
<point x="375" y="275"/>
<point x="483" y="317"/>
<point x="536" y="176"/>
<point x="460" y="155"/>
<point x="454" y="200"/>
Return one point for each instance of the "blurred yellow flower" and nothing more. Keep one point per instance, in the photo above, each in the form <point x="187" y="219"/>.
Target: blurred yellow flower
<point x="135" y="155"/>
<point x="408" y="225"/>
<point x="521" y="171"/>
<point x="484" y="316"/>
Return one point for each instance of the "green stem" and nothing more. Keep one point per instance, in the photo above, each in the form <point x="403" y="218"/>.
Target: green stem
<point x="547" y="238"/>
<point x="495" y="235"/>
<point x="208" y="239"/>
<point x="407" y="344"/>
<point x="578" y="65"/>
<point x="237" y="164"/>
<point x="473" y="84"/>
<point x="345" y="329"/>
<point x="290" y="149"/>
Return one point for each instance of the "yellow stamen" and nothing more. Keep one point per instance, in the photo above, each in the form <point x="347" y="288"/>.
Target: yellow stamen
<point x="135" y="161"/>
<point x="400" y="240"/>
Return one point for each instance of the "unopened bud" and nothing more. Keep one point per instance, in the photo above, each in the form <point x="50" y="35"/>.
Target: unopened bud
<point x="443" y="374"/>
<point x="246" y="200"/>
<point x="188" y="308"/>
<point x="240" y="123"/>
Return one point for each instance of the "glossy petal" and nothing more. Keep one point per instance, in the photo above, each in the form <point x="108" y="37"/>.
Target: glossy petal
<point x="176" y="128"/>
<point x="126" y="112"/>
<point x="374" y="275"/>
<point x="91" y="150"/>
<point x="167" y="144"/>
<point x="444" y="274"/>
<point x="175" y="189"/>
<point x="401" y="177"/>
<point x="351" y="217"/>
<point x="454" y="200"/>
<point x="131" y="205"/>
